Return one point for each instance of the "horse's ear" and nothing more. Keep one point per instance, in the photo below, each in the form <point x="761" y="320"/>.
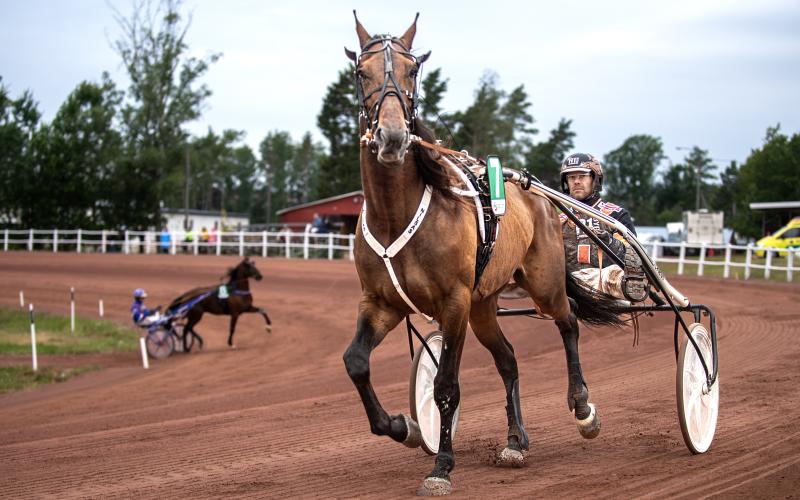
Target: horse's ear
<point x="363" y="36"/>
<point x="424" y="57"/>
<point x="408" y="36"/>
<point x="352" y="55"/>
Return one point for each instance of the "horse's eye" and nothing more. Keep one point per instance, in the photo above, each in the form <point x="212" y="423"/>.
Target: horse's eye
<point x="361" y="75"/>
<point x="413" y="73"/>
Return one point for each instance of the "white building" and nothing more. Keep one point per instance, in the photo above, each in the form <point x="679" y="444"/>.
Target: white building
<point x="198" y="219"/>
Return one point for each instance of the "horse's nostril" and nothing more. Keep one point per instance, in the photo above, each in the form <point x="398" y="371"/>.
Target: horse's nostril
<point x="378" y="134"/>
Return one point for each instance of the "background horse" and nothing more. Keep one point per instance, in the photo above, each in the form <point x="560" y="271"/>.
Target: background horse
<point x="239" y="300"/>
<point x="433" y="272"/>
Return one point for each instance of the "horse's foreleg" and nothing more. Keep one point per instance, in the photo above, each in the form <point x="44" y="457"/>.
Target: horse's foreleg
<point x="371" y="329"/>
<point x="234" y="319"/>
<point x="483" y="319"/>
<point x="447" y="394"/>
<point x="577" y="391"/>
<point x="263" y="313"/>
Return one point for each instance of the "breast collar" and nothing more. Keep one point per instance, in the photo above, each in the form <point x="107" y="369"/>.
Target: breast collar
<point x="387" y="253"/>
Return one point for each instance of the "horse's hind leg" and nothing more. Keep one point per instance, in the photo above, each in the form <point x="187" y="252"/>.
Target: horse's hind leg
<point x="192" y="318"/>
<point x="483" y="319"/>
<point x="372" y="326"/>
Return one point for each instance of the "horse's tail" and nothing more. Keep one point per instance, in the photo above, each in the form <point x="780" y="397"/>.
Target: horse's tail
<point x="593" y="307"/>
<point x="186" y="297"/>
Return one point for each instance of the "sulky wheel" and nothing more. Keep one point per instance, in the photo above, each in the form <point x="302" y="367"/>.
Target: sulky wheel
<point x="698" y="405"/>
<point x="160" y="343"/>
<point x="423" y="407"/>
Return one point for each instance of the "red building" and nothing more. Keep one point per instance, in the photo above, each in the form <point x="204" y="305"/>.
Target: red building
<point x="339" y="213"/>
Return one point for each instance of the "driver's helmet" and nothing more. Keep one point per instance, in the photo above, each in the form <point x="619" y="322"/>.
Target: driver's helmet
<point x="582" y="162"/>
<point x="139" y="293"/>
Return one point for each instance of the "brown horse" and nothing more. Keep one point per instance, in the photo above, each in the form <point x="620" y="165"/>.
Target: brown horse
<point x="432" y="268"/>
<point x="239" y="300"/>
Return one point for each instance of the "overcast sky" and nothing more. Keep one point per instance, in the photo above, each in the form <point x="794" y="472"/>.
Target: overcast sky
<point x="711" y="73"/>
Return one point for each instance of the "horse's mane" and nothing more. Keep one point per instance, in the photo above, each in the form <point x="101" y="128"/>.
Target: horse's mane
<point x="432" y="171"/>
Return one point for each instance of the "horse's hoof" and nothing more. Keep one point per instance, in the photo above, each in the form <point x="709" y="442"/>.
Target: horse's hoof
<point x="414" y="437"/>
<point x="511" y="458"/>
<point x="268" y="328"/>
<point x="232" y="347"/>
<point x="589" y="427"/>
<point x="434" y="487"/>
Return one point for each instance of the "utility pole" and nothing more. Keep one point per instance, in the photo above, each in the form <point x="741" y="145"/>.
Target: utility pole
<point x="186" y="186"/>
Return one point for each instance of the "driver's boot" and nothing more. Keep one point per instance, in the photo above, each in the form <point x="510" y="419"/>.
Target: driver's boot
<point x="634" y="284"/>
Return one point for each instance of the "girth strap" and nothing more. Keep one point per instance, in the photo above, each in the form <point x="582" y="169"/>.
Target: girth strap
<point x="387" y="253"/>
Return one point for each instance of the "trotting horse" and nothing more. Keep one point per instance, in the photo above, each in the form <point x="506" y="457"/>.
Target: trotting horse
<point x="419" y="256"/>
<point x="239" y="301"/>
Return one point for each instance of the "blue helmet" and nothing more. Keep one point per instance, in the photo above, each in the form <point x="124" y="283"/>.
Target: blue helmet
<point x="139" y="293"/>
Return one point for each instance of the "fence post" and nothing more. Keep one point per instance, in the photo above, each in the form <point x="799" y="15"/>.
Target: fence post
<point x="288" y="241"/>
<point x="241" y="243"/>
<point x="727" y="272"/>
<point x="748" y="260"/>
<point x="654" y="255"/>
<point x="789" y="265"/>
<point x="264" y="244"/>
<point x="126" y="248"/>
<point x="30" y="240"/>
<point x="173" y="244"/>
<point x="305" y="245"/>
<point x="702" y="259"/>
<point x="219" y="242"/>
<point x="5" y="240"/>
<point x="681" y="257"/>
<point x="55" y="240"/>
<point x="350" y="243"/>
<point x="330" y="246"/>
<point x="80" y="237"/>
<point x="768" y="265"/>
<point x="196" y="243"/>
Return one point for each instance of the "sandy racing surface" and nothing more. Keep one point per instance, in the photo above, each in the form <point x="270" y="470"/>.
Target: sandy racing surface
<point x="278" y="416"/>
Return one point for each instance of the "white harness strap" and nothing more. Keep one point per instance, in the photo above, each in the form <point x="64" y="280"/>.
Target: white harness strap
<point x="387" y="253"/>
<point x="468" y="192"/>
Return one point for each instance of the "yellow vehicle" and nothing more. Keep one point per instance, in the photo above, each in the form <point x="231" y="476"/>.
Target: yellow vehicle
<point x="786" y="237"/>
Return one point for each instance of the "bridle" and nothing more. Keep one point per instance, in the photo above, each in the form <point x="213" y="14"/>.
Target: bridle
<point x="389" y="86"/>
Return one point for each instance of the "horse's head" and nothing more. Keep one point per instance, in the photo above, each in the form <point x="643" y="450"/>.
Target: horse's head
<point x="246" y="269"/>
<point x="386" y="84"/>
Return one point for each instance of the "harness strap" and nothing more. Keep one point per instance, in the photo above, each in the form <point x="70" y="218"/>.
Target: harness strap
<point x="387" y="253"/>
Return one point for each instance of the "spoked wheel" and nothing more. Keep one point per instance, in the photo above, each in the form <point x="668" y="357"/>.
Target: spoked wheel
<point x="698" y="405"/>
<point x="423" y="407"/>
<point x="160" y="343"/>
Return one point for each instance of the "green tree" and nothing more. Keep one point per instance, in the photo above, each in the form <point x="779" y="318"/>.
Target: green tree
<point x="495" y="123"/>
<point x="771" y="173"/>
<point x="305" y="168"/>
<point x="277" y="153"/>
<point x="430" y="104"/>
<point x="544" y="158"/>
<point x="338" y="121"/>
<point x="78" y="155"/>
<point x="19" y="121"/>
<point x="164" y="93"/>
<point x="700" y="169"/>
<point x="629" y="176"/>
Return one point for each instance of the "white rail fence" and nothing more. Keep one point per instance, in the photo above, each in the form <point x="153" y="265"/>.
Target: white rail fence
<point x="308" y="245"/>
<point x="288" y="244"/>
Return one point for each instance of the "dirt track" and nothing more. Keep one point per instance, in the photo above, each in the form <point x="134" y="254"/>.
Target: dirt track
<point x="278" y="417"/>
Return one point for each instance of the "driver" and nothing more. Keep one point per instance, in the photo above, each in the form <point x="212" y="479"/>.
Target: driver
<point x="582" y="179"/>
<point x="140" y="314"/>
